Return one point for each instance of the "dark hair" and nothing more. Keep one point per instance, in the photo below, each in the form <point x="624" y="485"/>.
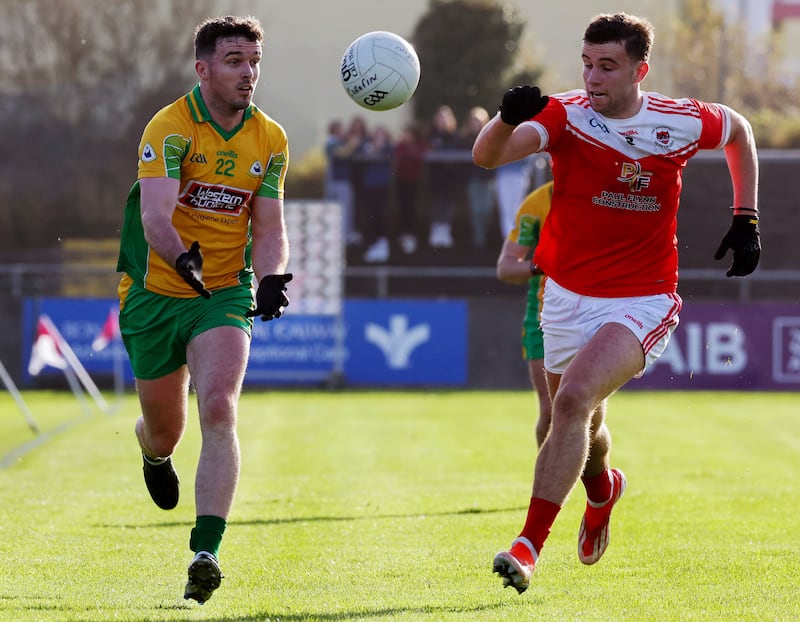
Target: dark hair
<point x="210" y="30"/>
<point x="635" y="33"/>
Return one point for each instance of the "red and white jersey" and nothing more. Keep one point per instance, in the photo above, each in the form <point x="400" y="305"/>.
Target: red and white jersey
<point x="612" y="225"/>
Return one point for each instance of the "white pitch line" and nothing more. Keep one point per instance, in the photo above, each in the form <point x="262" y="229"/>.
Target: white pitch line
<point x="15" y="454"/>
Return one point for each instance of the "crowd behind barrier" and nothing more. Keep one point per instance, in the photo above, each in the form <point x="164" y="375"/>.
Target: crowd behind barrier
<point x="390" y="194"/>
<point x="419" y="192"/>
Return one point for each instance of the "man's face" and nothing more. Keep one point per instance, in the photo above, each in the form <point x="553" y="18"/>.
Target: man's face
<point x="611" y="79"/>
<point x="232" y="72"/>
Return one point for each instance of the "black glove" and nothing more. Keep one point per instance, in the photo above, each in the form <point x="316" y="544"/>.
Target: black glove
<point x="270" y="297"/>
<point x="743" y="239"/>
<point x="522" y="103"/>
<point x="190" y="266"/>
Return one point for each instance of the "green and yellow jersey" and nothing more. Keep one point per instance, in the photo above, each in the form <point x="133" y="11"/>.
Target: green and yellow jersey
<point x="530" y="216"/>
<point x="527" y="227"/>
<point x="220" y="174"/>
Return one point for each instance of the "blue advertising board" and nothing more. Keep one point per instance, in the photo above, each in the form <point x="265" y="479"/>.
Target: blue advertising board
<point x="406" y="342"/>
<point x="80" y="321"/>
<point x="374" y="342"/>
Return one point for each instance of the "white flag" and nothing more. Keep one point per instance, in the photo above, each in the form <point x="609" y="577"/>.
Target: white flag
<point x="109" y="332"/>
<point x="45" y="351"/>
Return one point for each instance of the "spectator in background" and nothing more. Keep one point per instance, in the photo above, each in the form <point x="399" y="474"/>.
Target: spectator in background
<point x="512" y="182"/>
<point x="352" y="149"/>
<point x="409" y="167"/>
<point x="479" y="181"/>
<point x="338" y="183"/>
<point x="443" y="176"/>
<point x="376" y="179"/>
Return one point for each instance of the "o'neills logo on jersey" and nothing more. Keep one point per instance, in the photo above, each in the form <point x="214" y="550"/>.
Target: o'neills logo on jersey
<point x="214" y="198"/>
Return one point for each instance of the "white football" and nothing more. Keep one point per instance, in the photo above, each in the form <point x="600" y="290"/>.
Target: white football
<point x="380" y="70"/>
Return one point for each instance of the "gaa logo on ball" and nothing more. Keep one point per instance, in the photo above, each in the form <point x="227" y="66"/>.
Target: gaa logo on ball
<point x="380" y="70"/>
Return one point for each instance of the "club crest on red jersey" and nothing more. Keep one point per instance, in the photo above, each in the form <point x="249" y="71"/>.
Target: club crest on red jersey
<point x="662" y="136"/>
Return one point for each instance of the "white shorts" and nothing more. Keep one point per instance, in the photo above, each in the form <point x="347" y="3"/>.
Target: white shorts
<point x="570" y="320"/>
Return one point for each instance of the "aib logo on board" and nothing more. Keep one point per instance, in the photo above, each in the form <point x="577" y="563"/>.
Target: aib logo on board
<point x="399" y="341"/>
<point x="786" y="349"/>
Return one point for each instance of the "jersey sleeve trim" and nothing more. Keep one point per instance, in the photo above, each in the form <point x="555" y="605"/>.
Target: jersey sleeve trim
<point x="544" y="135"/>
<point x="717" y="124"/>
<point x="176" y="148"/>
<point x="272" y="185"/>
<point x="727" y="125"/>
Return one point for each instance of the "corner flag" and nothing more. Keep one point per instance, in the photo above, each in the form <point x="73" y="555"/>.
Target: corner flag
<point x="109" y="332"/>
<point x="45" y="350"/>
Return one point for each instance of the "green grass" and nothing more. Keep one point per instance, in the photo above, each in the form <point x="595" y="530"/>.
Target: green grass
<point x="390" y="506"/>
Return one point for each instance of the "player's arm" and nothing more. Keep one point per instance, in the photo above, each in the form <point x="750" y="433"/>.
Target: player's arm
<point x="270" y="256"/>
<point x="270" y="245"/>
<point x="159" y="196"/>
<point x="270" y="242"/>
<point x="742" y="159"/>
<point x="743" y="236"/>
<point x="514" y="263"/>
<point x="499" y="143"/>
<point x="504" y="139"/>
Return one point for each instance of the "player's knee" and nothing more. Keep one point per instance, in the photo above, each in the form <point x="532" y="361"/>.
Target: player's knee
<point x="218" y="410"/>
<point x="158" y="441"/>
<point x="572" y="402"/>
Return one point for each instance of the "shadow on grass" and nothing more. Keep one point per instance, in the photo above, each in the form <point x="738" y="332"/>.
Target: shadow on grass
<point x="390" y="613"/>
<point x="316" y="519"/>
<point x="308" y="616"/>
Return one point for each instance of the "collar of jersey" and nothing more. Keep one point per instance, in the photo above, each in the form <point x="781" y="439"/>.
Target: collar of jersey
<point x="200" y="113"/>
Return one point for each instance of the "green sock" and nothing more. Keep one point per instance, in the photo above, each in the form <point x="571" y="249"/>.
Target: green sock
<point x="207" y="534"/>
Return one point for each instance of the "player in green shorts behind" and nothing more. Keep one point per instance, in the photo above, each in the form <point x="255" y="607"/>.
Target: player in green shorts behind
<point x="514" y="266"/>
<point x="204" y="217"/>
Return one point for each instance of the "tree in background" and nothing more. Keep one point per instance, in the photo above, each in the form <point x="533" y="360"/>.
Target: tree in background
<point x="699" y="45"/>
<point x="471" y="53"/>
<point x="726" y="67"/>
<point x="78" y="80"/>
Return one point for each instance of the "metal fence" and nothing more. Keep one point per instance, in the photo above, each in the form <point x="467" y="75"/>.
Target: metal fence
<point x="19" y="280"/>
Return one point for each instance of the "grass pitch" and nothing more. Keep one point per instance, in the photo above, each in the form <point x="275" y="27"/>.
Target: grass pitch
<point x="390" y="506"/>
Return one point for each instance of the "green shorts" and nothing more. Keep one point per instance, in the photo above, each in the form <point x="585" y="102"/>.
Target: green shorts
<point x="532" y="340"/>
<point x="156" y="329"/>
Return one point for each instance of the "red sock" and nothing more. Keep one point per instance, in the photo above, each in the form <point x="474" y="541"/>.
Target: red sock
<point x="598" y="487"/>
<point x="541" y="516"/>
